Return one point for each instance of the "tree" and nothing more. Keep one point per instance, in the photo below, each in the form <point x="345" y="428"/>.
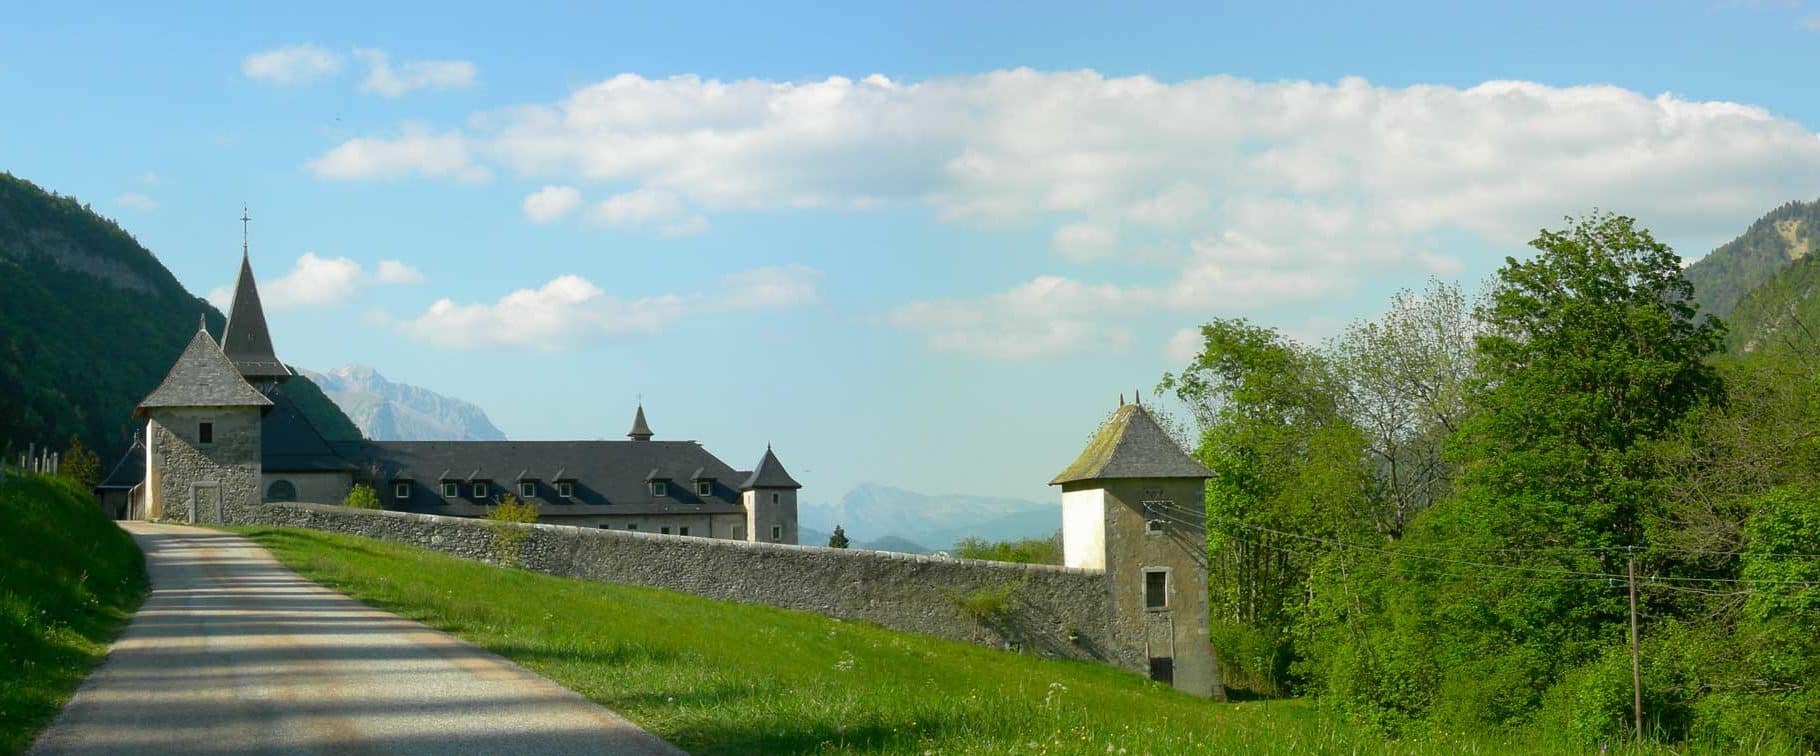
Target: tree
<point x="361" y="496"/>
<point x="1025" y="551"/>
<point x="839" y="538"/>
<point x="79" y="464"/>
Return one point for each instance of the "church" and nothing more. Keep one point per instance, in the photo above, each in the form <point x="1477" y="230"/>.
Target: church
<point x="222" y="436"/>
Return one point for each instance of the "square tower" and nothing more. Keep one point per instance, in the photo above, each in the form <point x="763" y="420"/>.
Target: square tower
<point x="1133" y="506"/>
<point x="769" y="496"/>
<point x="202" y="439"/>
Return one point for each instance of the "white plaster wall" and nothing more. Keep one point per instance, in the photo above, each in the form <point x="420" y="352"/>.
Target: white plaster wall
<point x="1084" y="529"/>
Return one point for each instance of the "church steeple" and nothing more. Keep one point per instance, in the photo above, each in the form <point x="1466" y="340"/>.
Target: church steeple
<point x="641" y="430"/>
<point x="245" y="340"/>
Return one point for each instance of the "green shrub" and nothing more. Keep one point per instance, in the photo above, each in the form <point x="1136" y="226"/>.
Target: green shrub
<point x="990" y="606"/>
<point x="1027" y="551"/>
<point x="505" y="519"/>
<point x="361" y="497"/>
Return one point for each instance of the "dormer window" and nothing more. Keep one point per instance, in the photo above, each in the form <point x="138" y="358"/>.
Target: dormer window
<point x="480" y="490"/>
<point x="450" y="489"/>
<point x="205" y="433"/>
<point x="401" y="489"/>
<point x="660" y="488"/>
<point x="527" y="489"/>
<point x="704" y="488"/>
<point x="565" y="489"/>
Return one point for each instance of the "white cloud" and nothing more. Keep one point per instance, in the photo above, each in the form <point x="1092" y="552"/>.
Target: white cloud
<point x="316" y="281"/>
<point x="291" y="65"/>
<point x="1281" y="191"/>
<point x="136" y="201"/>
<point x="385" y="80"/>
<point x="1045" y="316"/>
<point x="570" y="310"/>
<point x="551" y="203"/>
<point x="1184" y="345"/>
<point x="416" y="150"/>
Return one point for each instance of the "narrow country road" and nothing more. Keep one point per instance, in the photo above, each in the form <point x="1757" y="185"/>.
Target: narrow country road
<point x="234" y="653"/>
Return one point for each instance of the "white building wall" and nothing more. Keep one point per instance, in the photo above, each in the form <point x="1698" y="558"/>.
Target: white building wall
<point x="1084" y="529"/>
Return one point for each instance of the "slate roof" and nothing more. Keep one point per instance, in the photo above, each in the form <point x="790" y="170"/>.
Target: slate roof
<point x="608" y="477"/>
<point x="641" y="430"/>
<point x="129" y="471"/>
<point x="202" y="377"/>
<point x="245" y="339"/>
<point x="1132" y="445"/>
<point x="769" y="473"/>
<point x="289" y="442"/>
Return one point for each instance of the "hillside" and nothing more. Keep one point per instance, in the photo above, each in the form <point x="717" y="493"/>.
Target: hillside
<point x="92" y="321"/>
<point x="1725" y="276"/>
<point x="69" y="579"/>
<point x="389" y="411"/>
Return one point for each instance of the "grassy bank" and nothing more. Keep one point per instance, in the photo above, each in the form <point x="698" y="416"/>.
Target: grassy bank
<point x="69" y="581"/>
<point x="716" y="677"/>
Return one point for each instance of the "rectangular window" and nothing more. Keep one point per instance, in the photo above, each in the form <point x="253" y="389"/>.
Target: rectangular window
<point x="527" y="489"/>
<point x="684" y="530"/>
<point x="565" y="489"/>
<point x="704" y="488"/>
<point x="205" y="433"/>
<point x="449" y="490"/>
<point x="773" y="498"/>
<point x="606" y="527"/>
<point x="1155" y="512"/>
<point x="631" y="526"/>
<point x="1156" y="589"/>
<point x="777" y="532"/>
<point x="659" y="489"/>
<point x="401" y="490"/>
<point x="664" y="530"/>
<point x="480" y="490"/>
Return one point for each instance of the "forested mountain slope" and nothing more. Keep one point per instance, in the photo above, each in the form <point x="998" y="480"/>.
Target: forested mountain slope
<point x="1724" y="277"/>
<point x="89" y="323"/>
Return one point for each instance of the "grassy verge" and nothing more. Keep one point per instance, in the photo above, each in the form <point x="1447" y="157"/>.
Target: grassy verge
<point x="69" y="581"/>
<point x="717" y="677"/>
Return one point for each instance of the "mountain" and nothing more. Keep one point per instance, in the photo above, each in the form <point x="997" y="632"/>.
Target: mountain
<point x="812" y="537"/>
<point x="388" y="411"/>
<point x="1724" y="277"/>
<point x="89" y="323"/>
<point x="872" y="512"/>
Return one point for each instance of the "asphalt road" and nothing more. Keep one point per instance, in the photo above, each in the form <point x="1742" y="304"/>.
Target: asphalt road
<point x="234" y="653"/>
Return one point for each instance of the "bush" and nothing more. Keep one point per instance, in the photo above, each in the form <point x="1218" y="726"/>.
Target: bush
<point x="1027" y="551"/>
<point x="504" y="519"/>
<point x="990" y="606"/>
<point x="361" y="497"/>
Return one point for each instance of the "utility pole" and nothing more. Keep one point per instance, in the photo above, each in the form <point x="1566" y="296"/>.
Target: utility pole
<point x="1636" y="659"/>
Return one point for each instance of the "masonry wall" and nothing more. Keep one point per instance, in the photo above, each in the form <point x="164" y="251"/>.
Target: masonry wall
<point x="1047" y="605"/>
<point x="183" y="471"/>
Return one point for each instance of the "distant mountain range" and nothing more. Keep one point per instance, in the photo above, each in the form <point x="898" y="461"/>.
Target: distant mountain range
<point x="892" y="519"/>
<point x="389" y="411"/>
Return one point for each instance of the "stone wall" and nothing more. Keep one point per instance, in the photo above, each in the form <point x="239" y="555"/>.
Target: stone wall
<point x="220" y="477"/>
<point x="1053" y="611"/>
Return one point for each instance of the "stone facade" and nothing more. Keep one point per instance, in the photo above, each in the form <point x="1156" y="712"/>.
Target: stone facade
<point x="191" y="481"/>
<point x="1053" y="611"/>
<point x="770" y="511"/>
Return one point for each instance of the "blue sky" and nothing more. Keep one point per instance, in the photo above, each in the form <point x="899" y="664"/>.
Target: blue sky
<point x="924" y="245"/>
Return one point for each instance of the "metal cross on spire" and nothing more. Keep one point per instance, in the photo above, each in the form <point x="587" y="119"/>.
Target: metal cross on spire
<point x="245" y="220"/>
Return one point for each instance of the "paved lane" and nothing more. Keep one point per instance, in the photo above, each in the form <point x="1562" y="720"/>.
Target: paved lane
<point x="234" y="653"/>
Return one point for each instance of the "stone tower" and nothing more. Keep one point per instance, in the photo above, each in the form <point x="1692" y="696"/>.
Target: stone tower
<point x="769" y="496"/>
<point x="1132" y="505"/>
<point x="202" y="439"/>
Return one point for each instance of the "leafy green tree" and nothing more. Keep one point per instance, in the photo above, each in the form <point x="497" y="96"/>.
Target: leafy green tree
<point x="838" y="539"/>
<point x="1026" y="551"/>
<point x="80" y="464"/>
<point x="361" y="496"/>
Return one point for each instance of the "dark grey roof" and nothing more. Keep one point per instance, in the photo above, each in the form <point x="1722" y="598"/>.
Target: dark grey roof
<point x="245" y="339"/>
<point x="641" y="430"/>
<point x="769" y="473"/>
<point x="129" y="471"/>
<point x="608" y="476"/>
<point x="1132" y="445"/>
<point x="289" y="442"/>
<point x="202" y="377"/>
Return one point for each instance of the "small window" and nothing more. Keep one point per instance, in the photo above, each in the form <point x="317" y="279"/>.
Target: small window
<point x="777" y="531"/>
<point x="527" y="489"/>
<point x="658" y="488"/>
<point x="774" y="498"/>
<point x="704" y="488"/>
<point x="606" y="527"/>
<point x="684" y="530"/>
<point x="401" y="490"/>
<point x="281" y="490"/>
<point x="565" y="489"/>
<point x="1156" y="589"/>
<point x="205" y="433"/>
<point x="1155" y="512"/>
<point x="450" y="490"/>
<point x="480" y="490"/>
<point x="631" y="526"/>
<point x="664" y="530"/>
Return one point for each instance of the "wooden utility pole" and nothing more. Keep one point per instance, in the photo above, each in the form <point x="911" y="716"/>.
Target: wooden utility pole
<point x="1636" y="660"/>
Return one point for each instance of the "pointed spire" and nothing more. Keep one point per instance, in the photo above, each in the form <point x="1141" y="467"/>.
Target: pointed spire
<point x="641" y="430"/>
<point x="769" y="473"/>
<point x="245" y="339"/>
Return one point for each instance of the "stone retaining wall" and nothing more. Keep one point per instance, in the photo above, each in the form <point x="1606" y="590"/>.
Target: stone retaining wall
<point x="1053" y="611"/>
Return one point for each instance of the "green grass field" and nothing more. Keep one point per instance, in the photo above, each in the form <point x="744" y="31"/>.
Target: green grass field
<point x="718" y="677"/>
<point x="69" y="580"/>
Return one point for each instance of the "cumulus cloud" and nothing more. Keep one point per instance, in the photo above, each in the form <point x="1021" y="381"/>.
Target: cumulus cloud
<point x="386" y="80"/>
<point x="416" y="150"/>
<point x="1045" y="316"/>
<point x="551" y="203"/>
<point x="316" y="281"/>
<point x="1278" y="191"/>
<point x="136" y="201"/>
<point x="569" y="310"/>
<point x="291" y="65"/>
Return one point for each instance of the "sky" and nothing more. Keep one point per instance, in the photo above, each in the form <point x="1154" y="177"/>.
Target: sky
<point x="926" y="245"/>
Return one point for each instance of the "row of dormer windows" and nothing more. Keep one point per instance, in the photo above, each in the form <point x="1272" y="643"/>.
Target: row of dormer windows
<point x="527" y="489"/>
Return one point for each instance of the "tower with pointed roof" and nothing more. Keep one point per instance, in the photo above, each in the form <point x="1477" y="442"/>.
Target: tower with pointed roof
<point x="1133" y="506"/>
<point x="202" y="439"/>
<point x="245" y="339"/>
<point x="641" y="430"/>
<point x="769" y="496"/>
